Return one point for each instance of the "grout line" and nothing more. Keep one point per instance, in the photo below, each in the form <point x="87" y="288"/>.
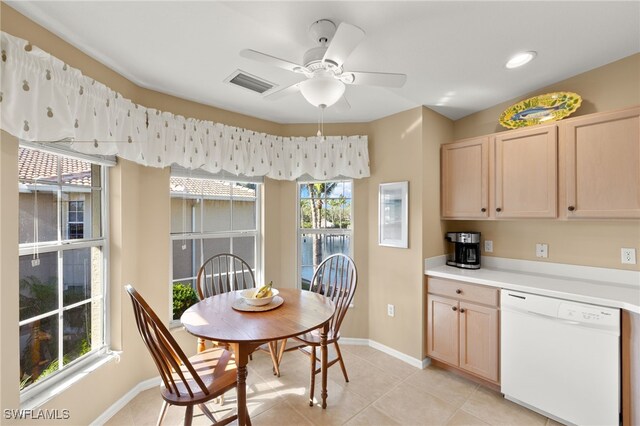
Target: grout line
<point x="462" y="405"/>
<point x="371" y="404"/>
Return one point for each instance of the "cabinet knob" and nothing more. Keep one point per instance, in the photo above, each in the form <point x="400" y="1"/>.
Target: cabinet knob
<point x="483" y="210"/>
<point x="458" y="291"/>
<point x="462" y="310"/>
<point x="571" y="208"/>
<point x="453" y="308"/>
<point x="498" y="209"/>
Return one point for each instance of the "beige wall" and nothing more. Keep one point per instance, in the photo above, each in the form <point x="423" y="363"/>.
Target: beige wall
<point x="436" y="130"/>
<point x="395" y="274"/>
<point x="589" y="242"/>
<point x="612" y="86"/>
<point x="9" y="353"/>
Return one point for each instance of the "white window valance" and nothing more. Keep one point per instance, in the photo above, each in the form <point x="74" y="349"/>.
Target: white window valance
<point x="43" y="99"/>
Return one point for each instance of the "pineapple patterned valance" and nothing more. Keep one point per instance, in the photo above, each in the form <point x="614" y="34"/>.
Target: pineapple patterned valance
<point x="43" y="99"/>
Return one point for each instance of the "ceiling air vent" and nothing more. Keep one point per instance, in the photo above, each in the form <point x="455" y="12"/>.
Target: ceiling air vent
<point x="248" y="81"/>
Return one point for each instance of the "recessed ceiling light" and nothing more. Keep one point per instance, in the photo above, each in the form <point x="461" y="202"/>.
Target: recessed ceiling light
<point x="520" y="59"/>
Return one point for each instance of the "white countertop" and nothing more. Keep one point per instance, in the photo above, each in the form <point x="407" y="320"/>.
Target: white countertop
<point x="606" y="287"/>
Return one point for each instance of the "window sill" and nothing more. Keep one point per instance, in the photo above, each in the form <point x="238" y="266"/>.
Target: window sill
<point x="175" y="325"/>
<point x="31" y="399"/>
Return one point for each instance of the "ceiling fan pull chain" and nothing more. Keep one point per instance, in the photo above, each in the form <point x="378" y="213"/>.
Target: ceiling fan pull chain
<point x="322" y="121"/>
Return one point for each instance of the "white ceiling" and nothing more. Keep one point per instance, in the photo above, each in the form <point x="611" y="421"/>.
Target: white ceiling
<point x="452" y="52"/>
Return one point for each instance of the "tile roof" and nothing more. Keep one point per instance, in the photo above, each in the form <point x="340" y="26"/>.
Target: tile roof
<point x="34" y="164"/>
<point x="209" y="187"/>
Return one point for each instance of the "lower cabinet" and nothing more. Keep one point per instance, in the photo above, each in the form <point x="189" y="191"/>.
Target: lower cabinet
<point x="462" y="332"/>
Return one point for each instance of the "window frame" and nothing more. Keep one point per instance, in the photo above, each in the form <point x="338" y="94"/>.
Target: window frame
<point x="327" y="231"/>
<point x="211" y="235"/>
<point x="94" y="357"/>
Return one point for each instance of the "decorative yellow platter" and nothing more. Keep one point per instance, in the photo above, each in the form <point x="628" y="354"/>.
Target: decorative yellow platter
<point x="540" y="109"/>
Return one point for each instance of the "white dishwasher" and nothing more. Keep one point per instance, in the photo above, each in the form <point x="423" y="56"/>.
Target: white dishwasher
<point x="561" y="358"/>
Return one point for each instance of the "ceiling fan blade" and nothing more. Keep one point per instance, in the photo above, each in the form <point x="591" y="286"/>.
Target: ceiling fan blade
<point x="374" y="79"/>
<point x="285" y="91"/>
<point x="263" y="57"/>
<point x="346" y="38"/>
<point x="342" y="105"/>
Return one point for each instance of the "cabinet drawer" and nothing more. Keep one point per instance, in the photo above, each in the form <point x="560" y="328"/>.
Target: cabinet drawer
<point x="463" y="291"/>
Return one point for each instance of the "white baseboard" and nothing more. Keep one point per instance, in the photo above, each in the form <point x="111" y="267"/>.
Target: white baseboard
<point x="426" y="362"/>
<point x="354" y="341"/>
<point x="119" y="404"/>
<point x="414" y="362"/>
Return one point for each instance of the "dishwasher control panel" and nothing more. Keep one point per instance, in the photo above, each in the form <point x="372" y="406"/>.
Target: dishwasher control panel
<point x="587" y="314"/>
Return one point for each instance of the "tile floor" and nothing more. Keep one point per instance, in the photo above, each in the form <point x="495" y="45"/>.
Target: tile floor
<point x="382" y="391"/>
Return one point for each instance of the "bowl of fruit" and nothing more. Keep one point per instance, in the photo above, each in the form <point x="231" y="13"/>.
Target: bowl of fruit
<point x="260" y="296"/>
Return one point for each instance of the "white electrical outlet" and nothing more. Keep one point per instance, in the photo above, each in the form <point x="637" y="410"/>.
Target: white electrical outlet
<point x="542" y="250"/>
<point x="628" y="256"/>
<point x="488" y="246"/>
<point x="391" y="310"/>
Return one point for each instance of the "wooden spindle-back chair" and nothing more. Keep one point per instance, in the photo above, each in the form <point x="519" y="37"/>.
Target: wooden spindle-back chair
<point x="337" y="279"/>
<point x="223" y="273"/>
<point x="185" y="381"/>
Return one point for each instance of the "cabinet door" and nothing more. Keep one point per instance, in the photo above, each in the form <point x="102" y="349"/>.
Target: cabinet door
<point x="479" y="340"/>
<point x="465" y="179"/>
<point x="526" y="164"/>
<point x="442" y="329"/>
<point x="602" y="165"/>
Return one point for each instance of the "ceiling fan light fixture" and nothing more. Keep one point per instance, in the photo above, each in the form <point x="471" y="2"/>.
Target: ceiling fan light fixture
<point x="322" y="91"/>
<point x="520" y="59"/>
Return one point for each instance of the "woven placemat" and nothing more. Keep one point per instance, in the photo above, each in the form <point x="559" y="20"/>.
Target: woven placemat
<point x="241" y="305"/>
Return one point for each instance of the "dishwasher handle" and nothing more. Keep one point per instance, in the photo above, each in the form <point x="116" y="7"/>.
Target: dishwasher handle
<point x="554" y="318"/>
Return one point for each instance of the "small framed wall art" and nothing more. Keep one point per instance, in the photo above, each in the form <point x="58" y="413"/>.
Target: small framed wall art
<point x="393" y="214"/>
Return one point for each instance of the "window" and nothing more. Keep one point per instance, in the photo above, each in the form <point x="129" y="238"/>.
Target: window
<point x="62" y="262"/>
<point x="76" y="219"/>
<point x="210" y="217"/>
<point x="325" y="224"/>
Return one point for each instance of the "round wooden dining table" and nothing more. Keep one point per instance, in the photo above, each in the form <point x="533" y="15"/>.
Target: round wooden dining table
<point x="215" y="319"/>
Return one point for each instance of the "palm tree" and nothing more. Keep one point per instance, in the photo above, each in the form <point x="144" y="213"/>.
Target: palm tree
<point x="317" y="192"/>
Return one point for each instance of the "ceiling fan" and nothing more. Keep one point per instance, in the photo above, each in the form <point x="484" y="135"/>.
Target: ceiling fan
<point x="322" y="65"/>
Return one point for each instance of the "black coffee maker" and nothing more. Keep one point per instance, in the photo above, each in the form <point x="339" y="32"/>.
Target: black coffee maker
<point x="466" y="253"/>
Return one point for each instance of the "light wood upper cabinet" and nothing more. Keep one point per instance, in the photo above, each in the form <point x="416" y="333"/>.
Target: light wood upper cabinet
<point x="582" y="167"/>
<point x="602" y="165"/>
<point x="526" y="164"/>
<point x="465" y="179"/>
